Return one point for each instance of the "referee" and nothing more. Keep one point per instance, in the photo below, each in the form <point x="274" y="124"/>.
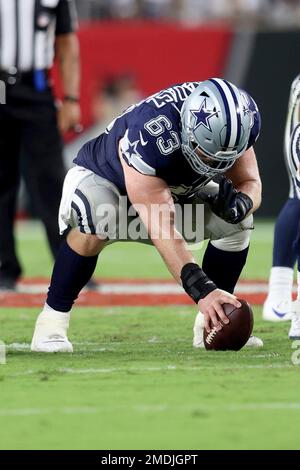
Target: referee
<point x="32" y="32"/>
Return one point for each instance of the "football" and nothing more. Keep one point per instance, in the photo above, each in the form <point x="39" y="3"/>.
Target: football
<point x="236" y="333"/>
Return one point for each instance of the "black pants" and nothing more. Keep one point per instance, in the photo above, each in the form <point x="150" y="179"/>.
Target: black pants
<point x="28" y="124"/>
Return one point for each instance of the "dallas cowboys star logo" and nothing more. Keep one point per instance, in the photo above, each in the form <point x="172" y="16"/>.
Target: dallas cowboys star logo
<point x="132" y="149"/>
<point x="129" y="149"/>
<point x="203" y="115"/>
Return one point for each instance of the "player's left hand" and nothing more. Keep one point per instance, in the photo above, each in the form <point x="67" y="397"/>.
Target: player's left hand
<point x="229" y="204"/>
<point x="69" y="116"/>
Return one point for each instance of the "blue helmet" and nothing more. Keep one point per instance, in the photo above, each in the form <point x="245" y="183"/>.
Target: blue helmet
<point x="217" y="119"/>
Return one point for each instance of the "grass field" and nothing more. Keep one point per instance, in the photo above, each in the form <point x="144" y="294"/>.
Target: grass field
<point x="134" y="380"/>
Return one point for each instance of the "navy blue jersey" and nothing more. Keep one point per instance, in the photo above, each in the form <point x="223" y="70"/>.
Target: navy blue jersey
<point x="149" y="137"/>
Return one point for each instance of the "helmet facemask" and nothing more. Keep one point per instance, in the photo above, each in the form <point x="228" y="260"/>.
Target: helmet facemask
<point x="208" y="165"/>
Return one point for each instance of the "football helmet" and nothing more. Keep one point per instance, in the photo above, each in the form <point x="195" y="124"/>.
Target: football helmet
<point x="217" y="118"/>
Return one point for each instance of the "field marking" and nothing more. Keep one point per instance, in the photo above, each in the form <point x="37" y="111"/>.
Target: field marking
<point x="147" y="408"/>
<point x="39" y="411"/>
<point x="126" y="292"/>
<point x="128" y="288"/>
<point x="119" y="293"/>
<point x="102" y="346"/>
<point x="172" y="368"/>
<point x="168" y="368"/>
<point x="99" y="347"/>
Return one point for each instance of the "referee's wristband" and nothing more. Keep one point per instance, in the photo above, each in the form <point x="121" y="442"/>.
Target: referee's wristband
<point x="71" y="99"/>
<point x="195" y="282"/>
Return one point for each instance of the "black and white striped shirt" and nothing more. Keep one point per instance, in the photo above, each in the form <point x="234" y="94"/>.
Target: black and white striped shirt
<point x="28" y="29"/>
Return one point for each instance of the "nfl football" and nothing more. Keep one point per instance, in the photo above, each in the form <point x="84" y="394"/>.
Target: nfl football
<point x="236" y="333"/>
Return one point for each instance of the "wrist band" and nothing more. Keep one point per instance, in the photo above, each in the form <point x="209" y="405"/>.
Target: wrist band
<point x="195" y="282"/>
<point x="72" y="99"/>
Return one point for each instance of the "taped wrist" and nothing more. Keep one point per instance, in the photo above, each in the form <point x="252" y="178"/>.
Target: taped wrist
<point x="195" y="282"/>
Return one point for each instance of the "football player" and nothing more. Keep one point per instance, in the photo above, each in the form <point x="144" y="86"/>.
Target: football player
<point x="286" y="249"/>
<point x="168" y="148"/>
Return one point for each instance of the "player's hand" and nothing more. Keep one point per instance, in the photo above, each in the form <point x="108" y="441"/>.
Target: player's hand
<point x="69" y="116"/>
<point x="229" y="204"/>
<point x="211" y="307"/>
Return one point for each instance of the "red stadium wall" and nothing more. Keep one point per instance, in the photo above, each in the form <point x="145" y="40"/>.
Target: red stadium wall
<point x="158" y="55"/>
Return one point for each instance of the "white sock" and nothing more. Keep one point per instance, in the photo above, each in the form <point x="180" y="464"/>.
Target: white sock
<point x="281" y="283"/>
<point x="47" y="309"/>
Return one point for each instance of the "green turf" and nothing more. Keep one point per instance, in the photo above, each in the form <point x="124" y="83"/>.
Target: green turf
<point x="135" y="382"/>
<point x="134" y="259"/>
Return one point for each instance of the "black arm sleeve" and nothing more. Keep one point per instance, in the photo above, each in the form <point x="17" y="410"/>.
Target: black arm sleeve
<point x="66" y="17"/>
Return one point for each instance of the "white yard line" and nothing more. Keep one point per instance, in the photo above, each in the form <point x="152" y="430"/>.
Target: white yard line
<point x="170" y="368"/>
<point x="86" y="347"/>
<point x="103" y="347"/>
<point x="145" y="288"/>
<point x="148" y="408"/>
<point x="40" y="411"/>
<point x="106" y="346"/>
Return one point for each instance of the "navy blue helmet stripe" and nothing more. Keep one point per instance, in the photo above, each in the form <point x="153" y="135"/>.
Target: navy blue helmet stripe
<point x="227" y="110"/>
<point x="238" y="113"/>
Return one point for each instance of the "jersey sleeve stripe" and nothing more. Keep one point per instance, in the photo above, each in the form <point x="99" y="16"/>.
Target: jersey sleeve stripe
<point x="141" y="166"/>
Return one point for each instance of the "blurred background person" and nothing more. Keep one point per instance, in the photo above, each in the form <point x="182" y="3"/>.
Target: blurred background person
<point x="284" y="13"/>
<point x="281" y="13"/>
<point x="114" y="96"/>
<point x="123" y="9"/>
<point x="159" y="9"/>
<point x="33" y="32"/>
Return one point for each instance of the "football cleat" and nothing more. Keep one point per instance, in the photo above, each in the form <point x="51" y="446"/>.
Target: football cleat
<point x="253" y="341"/>
<point x="277" y="311"/>
<point x="50" y="334"/>
<point x="294" y="332"/>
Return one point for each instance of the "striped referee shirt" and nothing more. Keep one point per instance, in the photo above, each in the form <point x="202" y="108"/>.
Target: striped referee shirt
<point x="28" y="29"/>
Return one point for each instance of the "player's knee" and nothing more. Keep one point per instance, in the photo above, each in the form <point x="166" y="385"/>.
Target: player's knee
<point x="85" y="244"/>
<point x="237" y="242"/>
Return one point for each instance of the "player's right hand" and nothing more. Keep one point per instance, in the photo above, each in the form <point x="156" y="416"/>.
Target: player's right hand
<point x="231" y="205"/>
<point x="211" y="307"/>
